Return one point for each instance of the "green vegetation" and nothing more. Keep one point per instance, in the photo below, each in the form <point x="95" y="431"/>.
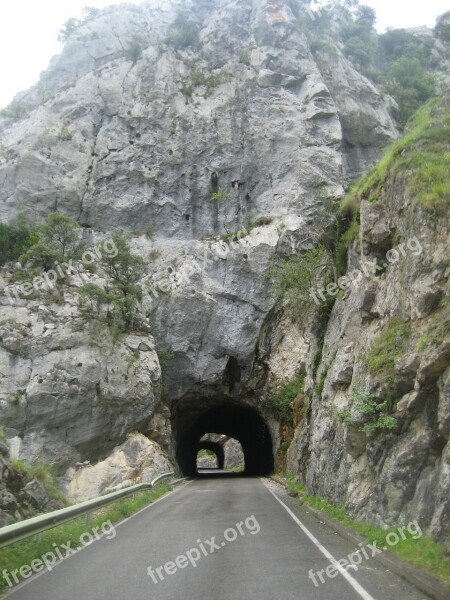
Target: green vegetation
<point x="134" y="49"/>
<point x="245" y="55"/>
<point x="206" y="453"/>
<point x="22" y="553"/>
<point x="389" y="345"/>
<point x="117" y="303"/>
<point x="43" y="474"/>
<point x="58" y="239"/>
<point x="72" y="24"/>
<point x="398" y="61"/>
<point x="210" y="81"/>
<point x="280" y="403"/>
<point x="422" y="153"/>
<point x="65" y="134"/>
<point x="16" y="237"/>
<point x="15" y="110"/>
<point x="365" y="411"/>
<point x="183" y="33"/>
<point x="250" y="225"/>
<point x="442" y="29"/>
<point x="423" y="552"/>
<point x="165" y="355"/>
<point x="294" y="277"/>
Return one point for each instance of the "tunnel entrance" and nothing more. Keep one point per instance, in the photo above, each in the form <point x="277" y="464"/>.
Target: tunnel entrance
<point x="212" y="449"/>
<point x="192" y="420"/>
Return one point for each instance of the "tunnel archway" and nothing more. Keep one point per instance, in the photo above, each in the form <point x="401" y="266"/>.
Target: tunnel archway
<point x="192" y="420"/>
<point x="214" y="447"/>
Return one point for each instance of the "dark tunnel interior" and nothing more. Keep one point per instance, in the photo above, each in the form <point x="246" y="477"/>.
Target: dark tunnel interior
<point x="192" y="421"/>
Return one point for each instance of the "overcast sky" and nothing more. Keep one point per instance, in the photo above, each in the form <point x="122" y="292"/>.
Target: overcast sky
<point x="29" y="31"/>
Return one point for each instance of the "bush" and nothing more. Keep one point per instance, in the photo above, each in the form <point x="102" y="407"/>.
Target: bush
<point x="65" y="134"/>
<point x="15" y="239"/>
<point x="134" y="50"/>
<point x="59" y="239"/>
<point x="183" y="33"/>
<point x="281" y="402"/>
<point x="293" y="278"/>
<point x="364" y="410"/>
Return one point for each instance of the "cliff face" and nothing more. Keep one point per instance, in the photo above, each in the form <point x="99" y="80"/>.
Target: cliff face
<point x="199" y="131"/>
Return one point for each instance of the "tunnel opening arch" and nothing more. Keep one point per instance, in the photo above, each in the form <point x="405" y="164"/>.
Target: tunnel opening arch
<point x="193" y="418"/>
<point x="213" y="447"/>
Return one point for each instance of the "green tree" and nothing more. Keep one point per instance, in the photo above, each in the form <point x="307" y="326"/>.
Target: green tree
<point x="412" y="86"/>
<point x="117" y="303"/>
<point x="61" y="232"/>
<point x="16" y="237"/>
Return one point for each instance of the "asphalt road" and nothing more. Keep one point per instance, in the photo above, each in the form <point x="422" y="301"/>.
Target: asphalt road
<point x="243" y="542"/>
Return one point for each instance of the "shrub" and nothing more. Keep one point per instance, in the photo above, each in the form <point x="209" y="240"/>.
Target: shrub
<point x="294" y="277"/>
<point x="364" y="410"/>
<point x="59" y="239"/>
<point x="15" y="239"/>
<point x="65" y="134"/>
<point x="281" y="402"/>
<point x="183" y="33"/>
<point x="134" y="50"/>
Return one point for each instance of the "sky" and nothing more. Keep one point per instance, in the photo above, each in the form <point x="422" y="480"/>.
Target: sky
<point x="29" y="31"/>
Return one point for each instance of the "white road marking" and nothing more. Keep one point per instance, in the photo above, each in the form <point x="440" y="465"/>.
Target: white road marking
<point x="351" y="580"/>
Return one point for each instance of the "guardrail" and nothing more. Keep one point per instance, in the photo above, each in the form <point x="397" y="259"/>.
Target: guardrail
<point x="23" y="529"/>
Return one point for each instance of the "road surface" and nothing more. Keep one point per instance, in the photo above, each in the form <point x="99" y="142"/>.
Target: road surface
<point x="217" y="538"/>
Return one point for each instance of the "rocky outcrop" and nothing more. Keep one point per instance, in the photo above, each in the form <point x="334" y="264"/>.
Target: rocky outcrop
<point x="21" y="495"/>
<point x="387" y="340"/>
<point x="68" y="392"/>
<point x="137" y="460"/>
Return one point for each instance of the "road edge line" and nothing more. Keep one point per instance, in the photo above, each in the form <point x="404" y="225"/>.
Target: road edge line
<point x="351" y="580"/>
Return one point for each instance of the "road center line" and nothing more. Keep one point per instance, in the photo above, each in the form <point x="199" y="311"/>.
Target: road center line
<point x="351" y="580"/>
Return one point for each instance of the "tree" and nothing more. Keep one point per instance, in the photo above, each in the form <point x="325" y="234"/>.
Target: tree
<point x="72" y="24"/>
<point x="117" y="303"/>
<point x="442" y="29"/>
<point x="411" y="85"/>
<point x="61" y="233"/>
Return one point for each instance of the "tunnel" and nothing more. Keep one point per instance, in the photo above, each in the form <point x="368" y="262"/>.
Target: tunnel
<point x="191" y="420"/>
<point x="214" y="447"/>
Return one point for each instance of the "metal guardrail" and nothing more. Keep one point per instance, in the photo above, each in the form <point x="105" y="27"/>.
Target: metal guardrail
<point x="23" y="529"/>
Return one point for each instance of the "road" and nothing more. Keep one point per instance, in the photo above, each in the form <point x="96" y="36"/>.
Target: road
<point x="244" y="543"/>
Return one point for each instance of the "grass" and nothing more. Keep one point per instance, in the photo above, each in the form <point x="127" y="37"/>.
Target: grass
<point x="423" y="552"/>
<point x="387" y="347"/>
<point x="43" y="474"/>
<point x="21" y="553"/>
<point x="422" y="154"/>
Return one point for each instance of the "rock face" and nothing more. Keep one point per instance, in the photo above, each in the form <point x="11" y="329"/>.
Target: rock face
<point x="67" y="392"/>
<point x="138" y="460"/>
<point x="388" y="335"/>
